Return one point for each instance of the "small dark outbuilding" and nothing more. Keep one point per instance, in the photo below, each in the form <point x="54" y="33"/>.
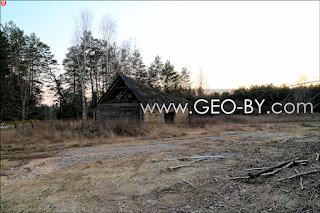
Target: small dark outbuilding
<point x="123" y="98"/>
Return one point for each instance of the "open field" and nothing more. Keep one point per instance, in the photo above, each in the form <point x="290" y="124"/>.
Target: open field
<point x="55" y="168"/>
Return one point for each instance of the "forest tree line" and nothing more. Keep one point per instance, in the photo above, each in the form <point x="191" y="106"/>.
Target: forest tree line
<point x="29" y="69"/>
<point x="300" y="93"/>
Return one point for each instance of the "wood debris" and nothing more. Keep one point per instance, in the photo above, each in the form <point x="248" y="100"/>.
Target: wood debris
<point x="269" y="171"/>
<point x="301" y="184"/>
<point x="299" y="175"/>
<point x="187" y="182"/>
<point x="183" y="165"/>
<point x="189" y="158"/>
<point x="279" y="169"/>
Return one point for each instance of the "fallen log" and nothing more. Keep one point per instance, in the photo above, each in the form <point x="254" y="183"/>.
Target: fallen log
<point x="299" y="175"/>
<point x="183" y="165"/>
<point x="186" y="158"/>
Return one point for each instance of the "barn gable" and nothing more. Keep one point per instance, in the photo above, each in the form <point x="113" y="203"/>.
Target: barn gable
<point x="119" y="92"/>
<point x="123" y="98"/>
<point x="141" y="92"/>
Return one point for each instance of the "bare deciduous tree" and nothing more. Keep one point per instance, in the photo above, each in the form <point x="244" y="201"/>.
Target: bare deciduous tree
<point x="107" y="29"/>
<point x="126" y="58"/>
<point x="302" y="80"/>
<point x="83" y="26"/>
<point x="202" y="82"/>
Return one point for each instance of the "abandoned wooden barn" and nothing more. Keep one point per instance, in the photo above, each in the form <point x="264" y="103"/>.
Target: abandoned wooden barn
<point x="123" y="98"/>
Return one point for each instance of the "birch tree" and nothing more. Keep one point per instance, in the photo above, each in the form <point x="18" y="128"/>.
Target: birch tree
<point x="202" y="82"/>
<point x="83" y="26"/>
<point x="108" y="30"/>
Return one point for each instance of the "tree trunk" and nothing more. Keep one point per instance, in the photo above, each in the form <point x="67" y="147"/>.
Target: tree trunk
<point x="84" y="114"/>
<point x="23" y="114"/>
<point x="93" y="98"/>
<point x="97" y="86"/>
<point x="107" y="67"/>
<point x="84" y="111"/>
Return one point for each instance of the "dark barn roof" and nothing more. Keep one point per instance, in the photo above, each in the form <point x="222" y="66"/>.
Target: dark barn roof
<point x="142" y="92"/>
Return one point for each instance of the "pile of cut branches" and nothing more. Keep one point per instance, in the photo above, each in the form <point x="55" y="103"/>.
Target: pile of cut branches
<point x="270" y="171"/>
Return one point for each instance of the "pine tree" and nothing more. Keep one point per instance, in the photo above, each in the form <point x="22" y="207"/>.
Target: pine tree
<point x="94" y="58"/>
<point x="185" y="82"/>
<point x="169" y="77"/>
<point x="139" y="69"/>
<point x="125" y="60"/>
<point x="4" y="74"/>
<point x="26" y="61"/>
<point x="71" y="107"/>
<point x="154" y="73"/>
<point x="114" y="65"/>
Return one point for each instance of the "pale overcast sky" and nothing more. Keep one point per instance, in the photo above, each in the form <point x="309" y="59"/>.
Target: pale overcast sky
<point x="237" y="43"/>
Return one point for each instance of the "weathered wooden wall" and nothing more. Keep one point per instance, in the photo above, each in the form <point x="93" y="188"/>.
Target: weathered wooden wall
<point x="157" y="117"/>
<point x="182" y="117"/>
<point x="119" y="111"/>
<point x="133" y="111"/>
<point x="154" y="117"/>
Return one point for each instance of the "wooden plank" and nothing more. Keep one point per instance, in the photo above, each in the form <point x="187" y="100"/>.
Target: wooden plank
<point x="119" y="111"/>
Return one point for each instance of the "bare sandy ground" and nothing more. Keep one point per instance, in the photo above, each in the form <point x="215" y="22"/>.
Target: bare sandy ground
<point x="38" y="167"/>
<point x="123" y="177"/>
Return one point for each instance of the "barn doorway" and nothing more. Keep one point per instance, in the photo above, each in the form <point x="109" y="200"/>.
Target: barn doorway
<point x="169" y="117"/>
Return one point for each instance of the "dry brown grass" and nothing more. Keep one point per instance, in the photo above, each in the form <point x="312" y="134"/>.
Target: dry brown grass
<point x="58" y="135"/>
<point x="135" y="183"/>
